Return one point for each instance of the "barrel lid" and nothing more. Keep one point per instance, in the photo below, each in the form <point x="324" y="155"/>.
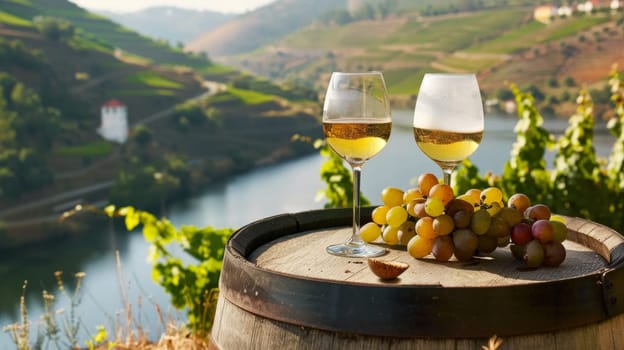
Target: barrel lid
<point x="410" y="307"/>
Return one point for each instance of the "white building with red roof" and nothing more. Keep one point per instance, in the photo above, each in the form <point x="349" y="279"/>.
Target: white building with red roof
<point x="114" y="124"/>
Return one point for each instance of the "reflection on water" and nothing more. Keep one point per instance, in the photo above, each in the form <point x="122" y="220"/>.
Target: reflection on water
<point x="69" y="255"/>
<point x="289" y="187"/>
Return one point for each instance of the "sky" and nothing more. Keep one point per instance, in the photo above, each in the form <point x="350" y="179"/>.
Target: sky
<point x="226" y="6"/>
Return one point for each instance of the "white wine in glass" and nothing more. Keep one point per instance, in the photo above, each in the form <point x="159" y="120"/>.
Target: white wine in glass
<point x="448" y="119"/>
<point x="356" y="124"/>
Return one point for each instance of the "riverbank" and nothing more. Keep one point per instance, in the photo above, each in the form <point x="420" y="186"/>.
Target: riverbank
<point x="54" y="216"/>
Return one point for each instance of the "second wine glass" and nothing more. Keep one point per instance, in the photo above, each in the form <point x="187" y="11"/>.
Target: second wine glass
<point x="357" y="124"/>
<point x="448" y="119"/>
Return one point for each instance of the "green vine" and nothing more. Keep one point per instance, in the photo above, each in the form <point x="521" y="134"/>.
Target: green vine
<point x="191" y="283"/>
<point x="615" y="167"/>
<point x="579" y="183"/>
<point x="577" y="170"/>
<point x="525" y="171"/>
<point x="338" y="178"/>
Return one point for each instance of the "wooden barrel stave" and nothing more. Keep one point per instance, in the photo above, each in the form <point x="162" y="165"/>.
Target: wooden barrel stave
<point x="278" y="323"/>
<point x="263" y="333"/>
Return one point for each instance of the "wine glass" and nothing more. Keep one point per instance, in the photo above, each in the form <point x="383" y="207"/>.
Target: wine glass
<point x="448" y="119"/>
<point x="356" y="124"/>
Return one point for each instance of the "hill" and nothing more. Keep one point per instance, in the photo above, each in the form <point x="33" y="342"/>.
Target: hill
<point x="176" y="25"/>
<point x="102" y="30"/>
<point x="501" y="43"/>
<point x="189" y="119"/>
<point x="261" y="27"/>
<point x="275" y="21"/>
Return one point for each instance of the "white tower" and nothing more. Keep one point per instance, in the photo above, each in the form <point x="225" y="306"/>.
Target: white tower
<point x="114" y="125"/>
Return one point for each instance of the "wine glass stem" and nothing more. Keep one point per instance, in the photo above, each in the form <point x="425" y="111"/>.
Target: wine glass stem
<point x="447" y="175"/>
<point x="355" y="238"/>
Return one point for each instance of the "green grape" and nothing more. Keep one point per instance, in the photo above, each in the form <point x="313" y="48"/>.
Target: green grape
<point x="407" y="231"/>
<point x="510" y="215"/>
<point x="434" y="207"/>
<point x="443" y="225"/>
<point x="379" y="215"/>
<point x="392" y="196"/>
<point x="518" y="251"/>
<point x="498" y="227"/>
<point x="534" y="254"/>
<point x="487" y="244"/>
<point x="480" y="222"/>
<point x="560" y="231"/>
<point x="370" y="232"/>
<point x="492" y="195"/>
<point x="396" y="216"/>
<point x="390" y="235"/>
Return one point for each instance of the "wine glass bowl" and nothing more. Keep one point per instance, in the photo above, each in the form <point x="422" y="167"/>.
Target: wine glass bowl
<point x="448" y="119"/>
<point x="356" y="123"/>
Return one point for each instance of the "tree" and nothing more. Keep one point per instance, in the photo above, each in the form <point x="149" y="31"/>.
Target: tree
<point x="35" y="125"/>
<point x="569" y="81"/>
<point x="27" y="131"/>
<point x="535" y="92"/>
<point x="56" y="29"/>
<point x="339" y="17"/>
<point x="552" y="82"/>
<point x="504" y="94"/>
<point x="142" y="135"/>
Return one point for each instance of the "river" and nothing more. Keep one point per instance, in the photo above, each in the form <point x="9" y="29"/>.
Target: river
<point x="287" y="187"/>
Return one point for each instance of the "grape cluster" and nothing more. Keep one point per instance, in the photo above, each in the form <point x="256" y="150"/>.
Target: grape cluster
<point x="430" y="219"/>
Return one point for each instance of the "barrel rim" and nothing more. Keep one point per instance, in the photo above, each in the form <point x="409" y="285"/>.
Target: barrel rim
<point x="425" y="310"/>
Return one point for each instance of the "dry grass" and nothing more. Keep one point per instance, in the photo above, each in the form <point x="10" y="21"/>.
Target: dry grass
<point x="175" y="337"/>
<point x="60" y="329"/>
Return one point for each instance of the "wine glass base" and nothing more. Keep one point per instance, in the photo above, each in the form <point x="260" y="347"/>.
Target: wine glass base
<point x="356" y="251"/>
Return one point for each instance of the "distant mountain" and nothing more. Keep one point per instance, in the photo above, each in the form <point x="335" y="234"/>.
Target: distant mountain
<point x="173" y="24"/>
<point x="262" y="26"/>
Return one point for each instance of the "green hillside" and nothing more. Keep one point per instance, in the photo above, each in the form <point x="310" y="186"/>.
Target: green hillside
<point x="106" y="31"/>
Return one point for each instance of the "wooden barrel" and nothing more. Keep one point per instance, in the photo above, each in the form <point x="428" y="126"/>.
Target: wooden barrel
<point x="279" y="289"/>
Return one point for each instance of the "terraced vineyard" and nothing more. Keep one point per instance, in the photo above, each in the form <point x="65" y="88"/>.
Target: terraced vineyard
<point x="503" y="44"/>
